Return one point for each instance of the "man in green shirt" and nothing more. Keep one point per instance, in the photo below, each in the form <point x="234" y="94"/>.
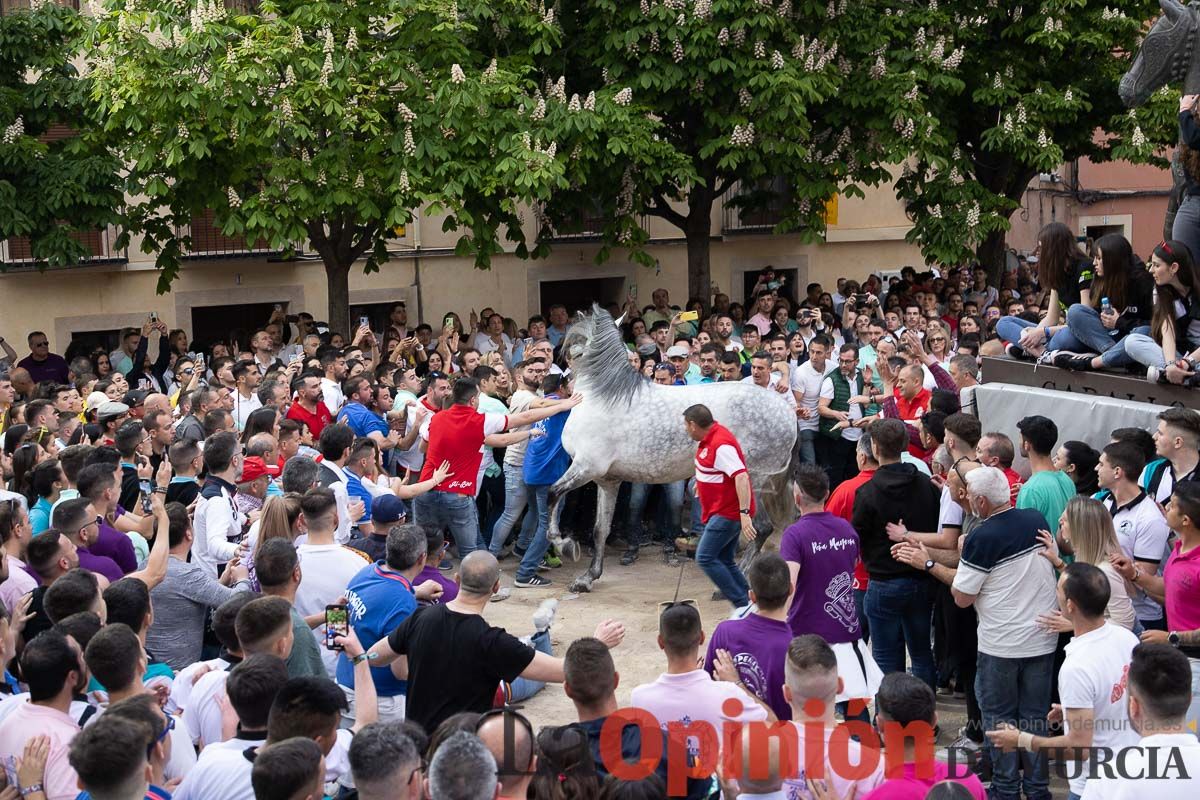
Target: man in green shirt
<point x="1047" y="489"/>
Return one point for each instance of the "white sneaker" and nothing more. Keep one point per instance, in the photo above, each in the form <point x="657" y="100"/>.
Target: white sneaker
<point x="1153" y="374"/>
<point x="742" y="611"/>
<point x="543" y="618"/>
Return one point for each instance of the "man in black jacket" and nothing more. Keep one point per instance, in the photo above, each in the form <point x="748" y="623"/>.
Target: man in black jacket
<point x="899" y="598"/>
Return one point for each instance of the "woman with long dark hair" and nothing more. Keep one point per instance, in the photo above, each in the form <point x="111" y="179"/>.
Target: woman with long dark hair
<point x="1172" y="347"/>
<point x="1096" y="328"/>
<point x="1077" y="460"/>
<point x="1066" y="272"/>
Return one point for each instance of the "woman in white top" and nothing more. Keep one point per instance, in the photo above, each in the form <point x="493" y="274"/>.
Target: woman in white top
<point x="937" y="344"/>
<point x="1087" y="529"/>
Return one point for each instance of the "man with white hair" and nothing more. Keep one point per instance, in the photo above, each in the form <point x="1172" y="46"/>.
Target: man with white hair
<point x="462" y="769"/>
<point x="1004" y="576"/>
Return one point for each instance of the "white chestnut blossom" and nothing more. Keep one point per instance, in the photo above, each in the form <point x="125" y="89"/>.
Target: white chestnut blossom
<point x="410" y="146"/>
<point x="954" y="59"/>
<point x="1138" y="139"/>
<point x="702" y="9"/>
<point x="1008" y="123"/>
<point x="548" y="17"/>
<point x="1068" y="96"/>
<point x="742" y="136"/>
<point x="739" y="37"/>
<point x="182" y="132"/>
<point x="623" y="97"/>
<point x="654" y="42"/>
<point x="879" y="68"/>
<point x="573" y="105"/>
<point x="405" y="113"/>
<point x="760" y="50"/>
<point x="677" y="51"/>
<point x="1043" y="141"/>
<point x="936" y="210"/>
<point x="456" y="74"/>
<point x="326" y="70"/>
<point x="973" y="216"/>
<point x="723" y="37"/>
<point x="14" y="131"/>
<point x="234" y="200"/>
<point x="539" y="110"/>
<point x="645" y="7"/>
<point x="681" y="20"/>
<point x="785" y="9"/>
<point x="777" y="60"/>
<point x="359" y="182"/>
<point x="402" y="184"/>
<point x="352" y="40"/>
<point x="590" y="103"/>
<point x="297" y="39"/>
<point x="744" y="97"/>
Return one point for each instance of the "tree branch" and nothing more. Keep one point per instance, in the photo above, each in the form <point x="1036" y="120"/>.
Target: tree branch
<point x="662" y="208"/>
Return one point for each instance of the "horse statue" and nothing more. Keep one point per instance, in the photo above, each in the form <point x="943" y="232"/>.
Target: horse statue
<point x="1166" y="56"/>
<point x="630" y="429"/>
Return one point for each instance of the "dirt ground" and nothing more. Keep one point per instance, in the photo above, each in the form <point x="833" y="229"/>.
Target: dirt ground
<point x="629" y="594"/>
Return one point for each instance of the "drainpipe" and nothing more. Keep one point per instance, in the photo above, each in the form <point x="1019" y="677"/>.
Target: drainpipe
<point x="417" y="265"/>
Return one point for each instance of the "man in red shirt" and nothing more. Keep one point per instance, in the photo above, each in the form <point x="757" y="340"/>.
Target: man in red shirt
<point x="726" y="503"/>
<point x="996" y="450"/>
<point x="841" y="504"/>
<point x="458" y="435"/>
<point x="308" y="407"/>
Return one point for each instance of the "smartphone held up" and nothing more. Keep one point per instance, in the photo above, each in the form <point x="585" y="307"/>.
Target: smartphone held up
<point x="337" y="623"/>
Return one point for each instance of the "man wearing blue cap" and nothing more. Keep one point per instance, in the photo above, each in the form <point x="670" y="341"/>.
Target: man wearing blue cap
<point x="386" y="510"/>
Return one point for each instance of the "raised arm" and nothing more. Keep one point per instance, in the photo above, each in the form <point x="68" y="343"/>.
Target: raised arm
<point x="538" y="414"/>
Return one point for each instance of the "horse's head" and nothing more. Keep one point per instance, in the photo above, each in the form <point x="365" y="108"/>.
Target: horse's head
<point x="581" y="339"/>
<point x="1164" y="55"/>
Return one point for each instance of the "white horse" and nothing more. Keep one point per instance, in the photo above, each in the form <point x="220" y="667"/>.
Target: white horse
<point x="630" y="429"/>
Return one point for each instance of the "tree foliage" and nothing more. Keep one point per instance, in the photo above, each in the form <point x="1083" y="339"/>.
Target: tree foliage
<point x="1037" y="87"/>
<point x="50" y="190"/>
<point x="331" y="122"/>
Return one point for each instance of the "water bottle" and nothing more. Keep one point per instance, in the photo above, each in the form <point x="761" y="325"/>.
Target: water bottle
<point x="1105" y="306"/>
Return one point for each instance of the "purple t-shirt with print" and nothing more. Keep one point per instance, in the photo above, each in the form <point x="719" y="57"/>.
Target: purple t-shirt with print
<point x="826" y="547"/>
<point x="759" y="648"/>
<point x="431" y="573"/>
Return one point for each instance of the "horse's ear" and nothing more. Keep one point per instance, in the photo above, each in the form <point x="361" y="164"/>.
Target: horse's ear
<point x="1172" y="9"/>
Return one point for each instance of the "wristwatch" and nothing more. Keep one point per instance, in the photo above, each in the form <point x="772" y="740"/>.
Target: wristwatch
<point x="929" y="564"/>
<point x="744" y="510"/>
<point x="1173" y="638"/>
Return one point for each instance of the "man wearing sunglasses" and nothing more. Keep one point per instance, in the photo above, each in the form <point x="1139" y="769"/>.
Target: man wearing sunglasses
<point x="41" y="363"/>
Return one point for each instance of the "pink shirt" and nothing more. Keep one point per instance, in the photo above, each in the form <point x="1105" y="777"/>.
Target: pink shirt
<point x="762" y="322"/>
<point x="694" y="697"/>
<point x="910" y="787"/>
<point x="1181" y="579"/>
<point x="852" y="753"/>
<point x="18" y="584"/>
<point x="33" y="720"/>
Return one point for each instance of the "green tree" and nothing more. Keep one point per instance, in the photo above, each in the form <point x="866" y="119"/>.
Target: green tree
<point x="1038" y="87"/>
<point x="328" y="123"/>
<point x="52" y="190"/>
<point x="785" y="101"/>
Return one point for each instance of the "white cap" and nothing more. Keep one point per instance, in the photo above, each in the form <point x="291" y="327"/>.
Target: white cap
<point x="677" y="351"/>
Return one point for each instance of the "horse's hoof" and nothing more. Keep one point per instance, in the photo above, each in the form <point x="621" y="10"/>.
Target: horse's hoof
<point x="568" y="548"/>
<point x="580" y="586"/>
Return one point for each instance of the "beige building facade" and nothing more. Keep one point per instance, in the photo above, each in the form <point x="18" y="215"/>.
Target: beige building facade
<point x="227" y="285"/>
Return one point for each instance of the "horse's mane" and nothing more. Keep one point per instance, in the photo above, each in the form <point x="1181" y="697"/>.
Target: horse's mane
<point x="604" y="360"/>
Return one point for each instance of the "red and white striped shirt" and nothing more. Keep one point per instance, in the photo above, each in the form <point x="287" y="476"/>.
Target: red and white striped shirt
<point x="719" y="461"/>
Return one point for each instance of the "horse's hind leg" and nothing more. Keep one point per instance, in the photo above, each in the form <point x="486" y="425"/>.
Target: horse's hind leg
<point x="606" y="503"/>
<point x="779" y="506"/>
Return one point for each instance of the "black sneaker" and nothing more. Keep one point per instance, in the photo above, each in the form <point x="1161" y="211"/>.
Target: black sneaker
<point x="1073" y="362"/>
<point x="534" y="582"/>
<point x="1018" y="352"/>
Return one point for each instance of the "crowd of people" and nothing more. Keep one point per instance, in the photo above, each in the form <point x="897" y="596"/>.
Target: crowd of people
<point x="260" y="568"/>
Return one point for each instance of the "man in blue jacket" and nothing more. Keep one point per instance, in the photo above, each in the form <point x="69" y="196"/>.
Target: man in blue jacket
<point x="545" y="463"/>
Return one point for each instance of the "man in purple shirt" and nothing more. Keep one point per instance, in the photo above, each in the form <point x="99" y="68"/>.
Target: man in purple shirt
<point x="41" y="364"/>
<point x="99" y="484"/>
<point x="820" y="550"/>
<point x="756" y="645"/>
<point x="435" y="543"/>
<point x="76" y="520"/>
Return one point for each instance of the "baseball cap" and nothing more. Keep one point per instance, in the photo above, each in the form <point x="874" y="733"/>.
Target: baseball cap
<point x="677" y="351"/>
<point x="665" y="367"/>
<point x="110" y="410"/>
<point x="253" y="468"/>
<point x="95" y="400"/>
<point x="135" y="398"/>
<point x="388" y="508"/>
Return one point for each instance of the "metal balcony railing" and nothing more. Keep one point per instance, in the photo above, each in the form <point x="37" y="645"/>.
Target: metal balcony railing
<point x="11" y="6"/>
<point x="209" y="242"/>
<point x="17" y="251"/>
<point x="762" y="217"/>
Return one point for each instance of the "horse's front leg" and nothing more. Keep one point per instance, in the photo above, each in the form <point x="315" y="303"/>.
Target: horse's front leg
<point x="573" y="478"/>
<point x="606" y="504"/>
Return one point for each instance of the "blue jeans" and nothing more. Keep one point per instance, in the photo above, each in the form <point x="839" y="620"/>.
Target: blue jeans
<point x="667" y="517"/>
<point x="1016" y="691"/>
<point x="525" y="688"/>
<point x="456" y="512"/>
<point x="1009" y="329"/>
<point x="1144" y="350"/>
<point x="715" y="555"/>
<point x="805" y="440"/>
<point x="900" y="612"/>
<point x="1186" y="228"/>
<point x="516" y="498"/>
<point x="537" y="548"/>
<point x="1085" y="325"/>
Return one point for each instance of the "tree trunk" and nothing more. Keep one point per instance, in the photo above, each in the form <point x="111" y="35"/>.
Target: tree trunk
<point x="337" y="287"/>
<point x="697" y="232"/>
<point x="990" y="253"/>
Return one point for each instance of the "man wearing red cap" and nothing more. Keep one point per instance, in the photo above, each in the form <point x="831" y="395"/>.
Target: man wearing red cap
<point x="252" y="486"/>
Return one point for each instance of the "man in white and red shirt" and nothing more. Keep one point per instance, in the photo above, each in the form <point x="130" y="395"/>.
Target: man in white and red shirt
<point x="726" y="502"/>
<point x="458" y="435"/>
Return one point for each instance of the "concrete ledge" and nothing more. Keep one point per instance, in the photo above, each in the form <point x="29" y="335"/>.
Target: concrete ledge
<point x="1099" y="384"/>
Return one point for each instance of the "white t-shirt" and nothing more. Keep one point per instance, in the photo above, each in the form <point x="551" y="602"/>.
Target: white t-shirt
<point x="850" y="434"/>
<point x="181" y="687"/>
<point x="243" y="408"/>
<point x="202" y="715"/>
<point x="332" y="396"/>
<point x="221" y="773"/>
<point x="950" y="513"/>
<point x="806" y="381"/>
<point x="1138" y="763"/>
<point x="325" y="572"/>
<point x="774" y="382"/>
<point x="796" y="787"/>
<point x="1095" y="675"/>
<point x="1142" y="533"/>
